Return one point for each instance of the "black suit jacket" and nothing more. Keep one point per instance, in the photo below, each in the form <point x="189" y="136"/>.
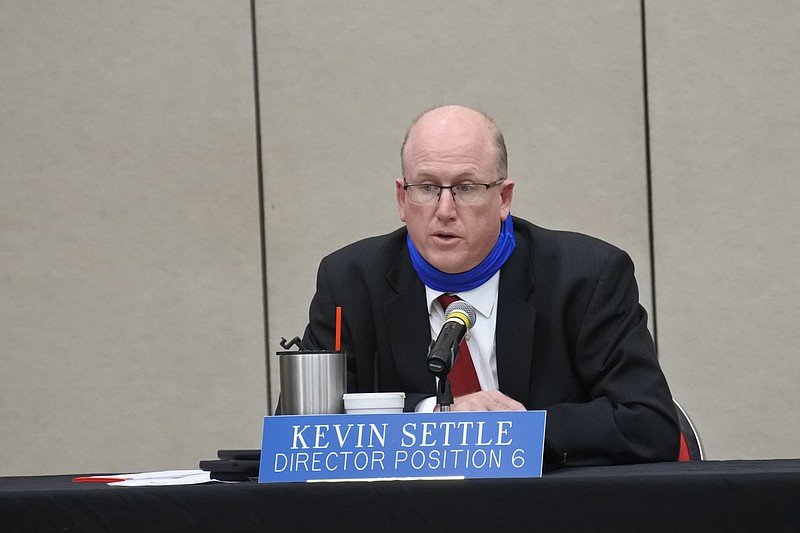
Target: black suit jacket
<point x="571" y="338"/>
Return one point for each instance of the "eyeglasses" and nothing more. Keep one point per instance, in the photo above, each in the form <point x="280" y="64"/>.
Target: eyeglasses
<point x="463" y="193"/>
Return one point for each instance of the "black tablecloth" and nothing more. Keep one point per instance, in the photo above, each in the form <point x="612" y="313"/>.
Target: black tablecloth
<point x="726" y="496"/>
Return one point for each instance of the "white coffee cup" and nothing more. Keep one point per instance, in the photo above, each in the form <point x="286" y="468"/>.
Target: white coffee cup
<point x="374" y="402"/>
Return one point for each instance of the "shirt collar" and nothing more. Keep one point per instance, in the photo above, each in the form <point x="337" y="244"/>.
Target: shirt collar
<point x="482" y="297"/>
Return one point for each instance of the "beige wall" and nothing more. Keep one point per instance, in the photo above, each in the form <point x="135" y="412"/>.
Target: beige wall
<point x="131" y="320"/>
<point x="131" y="317"/>
<point x="726" y="178"/>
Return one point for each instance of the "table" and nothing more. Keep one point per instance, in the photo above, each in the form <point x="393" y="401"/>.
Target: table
<point x="704" y="496"/>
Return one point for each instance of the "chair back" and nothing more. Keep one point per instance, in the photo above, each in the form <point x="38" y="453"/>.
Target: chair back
<point x="691" y="446"/>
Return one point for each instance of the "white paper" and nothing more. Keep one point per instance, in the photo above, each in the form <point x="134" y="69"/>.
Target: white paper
<point x="162" y="478"/>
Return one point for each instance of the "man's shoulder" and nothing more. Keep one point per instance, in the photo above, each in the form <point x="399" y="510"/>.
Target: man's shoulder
<point x="546" y="241"/>
<point x="372" y="249"/>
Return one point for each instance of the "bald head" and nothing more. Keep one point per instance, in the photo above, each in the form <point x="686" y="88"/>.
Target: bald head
<point x="450" y="147"/>
<point x="456" y="125"/>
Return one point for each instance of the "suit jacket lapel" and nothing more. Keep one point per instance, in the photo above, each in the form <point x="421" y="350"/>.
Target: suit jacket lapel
<point x="408" y="324"/>
<point x="516" y="317"/>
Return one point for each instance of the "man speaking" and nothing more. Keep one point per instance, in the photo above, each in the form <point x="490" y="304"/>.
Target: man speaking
<point x="558" y="322"/>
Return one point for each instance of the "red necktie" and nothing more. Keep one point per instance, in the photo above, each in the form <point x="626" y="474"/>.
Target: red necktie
<point x="463" y="378"/>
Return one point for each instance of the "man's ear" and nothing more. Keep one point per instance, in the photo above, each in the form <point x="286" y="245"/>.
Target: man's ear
<point x="401" y="198"/>
<point x="506" y="194"/>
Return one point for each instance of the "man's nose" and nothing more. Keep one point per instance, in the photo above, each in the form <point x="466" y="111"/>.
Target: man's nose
<point x="446" y="207"/>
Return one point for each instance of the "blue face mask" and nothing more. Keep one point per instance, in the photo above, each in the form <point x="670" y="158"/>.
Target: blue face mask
<point x="475" y="277"/>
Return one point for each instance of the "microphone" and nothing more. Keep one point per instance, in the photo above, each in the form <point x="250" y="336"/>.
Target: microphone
<point x="458" y="318"/>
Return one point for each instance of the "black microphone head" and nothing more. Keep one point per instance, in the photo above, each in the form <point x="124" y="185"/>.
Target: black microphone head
<point x="461" y="310"/>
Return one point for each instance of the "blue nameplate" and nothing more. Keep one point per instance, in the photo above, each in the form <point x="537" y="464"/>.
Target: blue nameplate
<point x="409" y="445"/>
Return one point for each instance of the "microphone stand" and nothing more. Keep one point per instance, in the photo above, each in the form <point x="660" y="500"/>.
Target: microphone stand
<point x="444" y="397"/>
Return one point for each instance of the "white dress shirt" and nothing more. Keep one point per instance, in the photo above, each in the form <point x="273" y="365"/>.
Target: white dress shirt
<point x="480" y="338"/>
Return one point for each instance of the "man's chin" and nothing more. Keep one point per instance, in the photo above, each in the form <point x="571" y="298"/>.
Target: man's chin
<point x="449" y="264"/>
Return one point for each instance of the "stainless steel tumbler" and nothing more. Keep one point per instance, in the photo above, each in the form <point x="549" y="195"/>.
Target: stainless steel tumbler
<point x="312" y="382"/>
